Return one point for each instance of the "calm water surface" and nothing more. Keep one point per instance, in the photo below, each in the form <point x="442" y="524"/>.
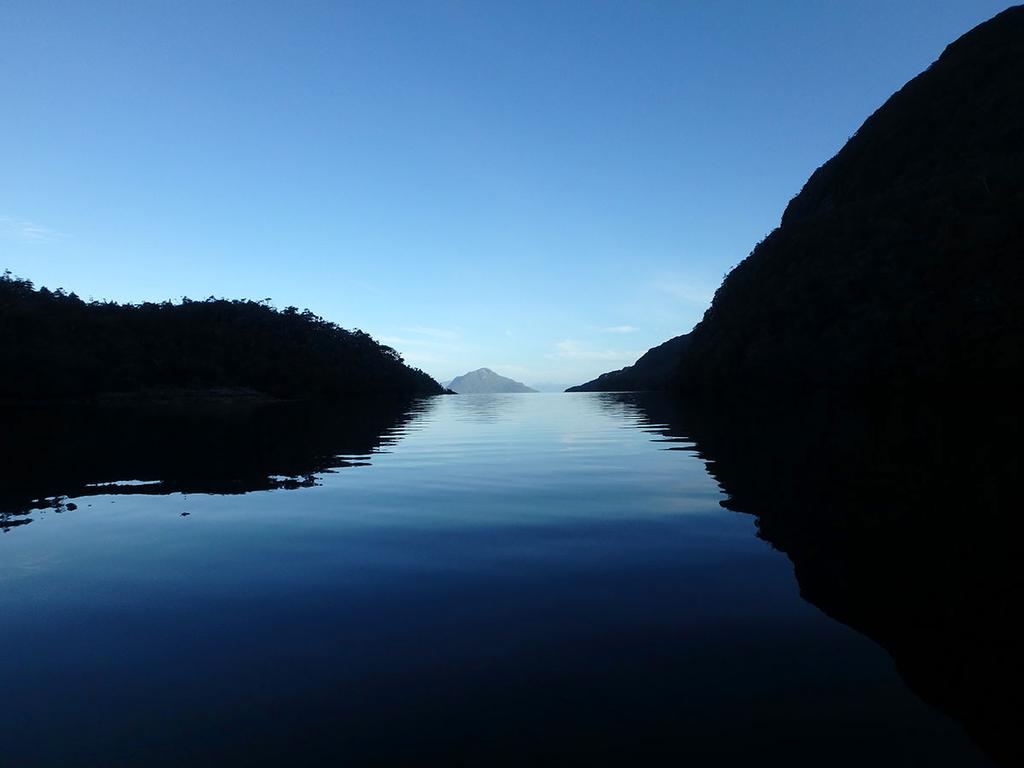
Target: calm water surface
<point x="530" y="579"/>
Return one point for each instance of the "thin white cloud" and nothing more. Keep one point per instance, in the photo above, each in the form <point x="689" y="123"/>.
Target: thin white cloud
<point x="621" y="329"/>
<point x="426" y="347"/>
<point x="446" y="334"/>
<point x="26" y="231"/>
<point x="576" y="350"/>
<point x="686" y="290"/>
<point x="399" y="341"/>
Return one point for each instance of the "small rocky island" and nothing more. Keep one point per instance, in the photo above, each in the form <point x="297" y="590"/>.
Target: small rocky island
<point x="485" y="381"/>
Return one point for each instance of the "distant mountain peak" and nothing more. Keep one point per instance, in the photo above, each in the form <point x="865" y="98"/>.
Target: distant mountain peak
<point x="484" y="380"/>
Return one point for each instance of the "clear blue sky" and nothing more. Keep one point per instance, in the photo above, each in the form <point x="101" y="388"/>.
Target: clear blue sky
<point x="544" y="188"/>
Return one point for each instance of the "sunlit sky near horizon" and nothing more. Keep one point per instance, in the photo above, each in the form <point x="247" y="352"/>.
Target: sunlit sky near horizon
<point x="547" y="189"/>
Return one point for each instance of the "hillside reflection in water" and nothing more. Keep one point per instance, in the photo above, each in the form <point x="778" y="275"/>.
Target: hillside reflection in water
<point x="464" y="580"/>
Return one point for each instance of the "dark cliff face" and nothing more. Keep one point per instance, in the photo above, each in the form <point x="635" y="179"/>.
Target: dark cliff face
<point x="954" y="123"/>
<point x="901" y="520"/>
<point x="902" y="259"/>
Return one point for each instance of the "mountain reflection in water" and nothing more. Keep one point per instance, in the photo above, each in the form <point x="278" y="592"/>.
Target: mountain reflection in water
<point x="522" y="579"/>
<point x="902" y="520"/>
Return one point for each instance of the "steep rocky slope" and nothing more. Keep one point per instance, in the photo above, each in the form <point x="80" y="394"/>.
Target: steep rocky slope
<point x="901" y="261"/>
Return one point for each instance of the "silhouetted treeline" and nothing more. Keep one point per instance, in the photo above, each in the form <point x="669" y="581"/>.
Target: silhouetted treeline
<point x="53" y="344"/>
<point x="900" y="261"/>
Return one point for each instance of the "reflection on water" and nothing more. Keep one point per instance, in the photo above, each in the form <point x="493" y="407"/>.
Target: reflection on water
<point x="510" y="580"/>
<point x="487" y="408"/>
<point x="902" y="520"/>
<point x="50" y="454"/>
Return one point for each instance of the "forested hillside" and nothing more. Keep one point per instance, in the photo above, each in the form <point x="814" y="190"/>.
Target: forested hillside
<point x="53" y="344"/>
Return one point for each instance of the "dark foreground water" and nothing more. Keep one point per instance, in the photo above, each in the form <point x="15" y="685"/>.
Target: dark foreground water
<point x="527" y="579"/>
